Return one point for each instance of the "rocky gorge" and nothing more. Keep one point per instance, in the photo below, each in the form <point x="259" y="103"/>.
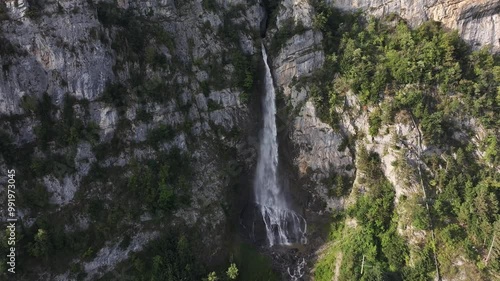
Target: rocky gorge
<point x="128" y="121"/>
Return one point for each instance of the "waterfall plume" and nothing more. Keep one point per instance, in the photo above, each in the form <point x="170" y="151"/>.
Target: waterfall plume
<point x="283" y="225"/>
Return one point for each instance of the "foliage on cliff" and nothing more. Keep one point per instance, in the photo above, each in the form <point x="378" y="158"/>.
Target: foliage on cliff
<point x="110" y="200"/>
<point x="429" y="74"/>
<point x="380" y="59"/>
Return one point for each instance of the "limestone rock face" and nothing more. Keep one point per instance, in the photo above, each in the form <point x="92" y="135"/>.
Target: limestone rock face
<point x="300" y="56"/>
<point x="300" y="11"/>
<point x="315" y="143"/>
<point x="112" y="254"/>
<point x="319" y="144"/>
<point x="55" y="54"/>
<point x="61" y="47"/>
<point x="477" y="21"/>
<point x="319" y="154"/>
<point x="62" y="191"/>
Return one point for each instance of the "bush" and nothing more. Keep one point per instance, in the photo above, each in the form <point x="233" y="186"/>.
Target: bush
<point x="210" y="5"/>
<point x="162" y="187"/>
<point x="3" y="12"/>
<point x="421" y="72"/>
<point x="432" y="127"/>
<point x="115" y="94"/>
<point x="37" y="197"/>
<point x="159" y="135"/>
<point x="375" y="122"/>
<point x="232" y="272"/>
<point x="420" y="217"/>
<point x="41" y="246"/>
<point x="45" y="131"/>
<point x="137" y="39"/>
<point x="377" y="59"/>
<point x="7" y="149"/>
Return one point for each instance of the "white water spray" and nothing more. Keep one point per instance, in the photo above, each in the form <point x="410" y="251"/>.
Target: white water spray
<point x="283" y="225"/>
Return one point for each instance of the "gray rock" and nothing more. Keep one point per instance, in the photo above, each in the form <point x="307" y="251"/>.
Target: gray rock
<point x="108" y="257"/>
<point x="299" y="11"/>
<point x="318" y="145"/>
<point x="300" y="56"/>
<point x="84" y="158"/>
<point x="477" y="21"/>
<point x="62" y="190"/>
<point x="108" y="118"/>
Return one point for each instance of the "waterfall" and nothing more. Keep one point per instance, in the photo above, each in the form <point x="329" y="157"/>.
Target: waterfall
<point x="283" y="225"/>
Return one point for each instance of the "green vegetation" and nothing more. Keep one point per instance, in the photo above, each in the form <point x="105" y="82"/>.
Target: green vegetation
<point x="3" y="12"/>
<point x="422" y="70"/>
<point x="212" y="276"/>
<point x="376" y="238"/>
<point x="172" y="257"/>
<point x="161" y="134"/>
<point x="72" y="129"/>
<point x="158" y="186"/>
<point x="7" y="147"/>
<point x="161" y="184"/>
<point x="210" y="5"/>
<point x="66" y="131"/>
<point x="116" y="197"/>
<point x="244" y="71"/>
<point x="465" y="211"/>
<point x="57" y="132"/>
<point x="40" y="247"/>
<point x="169" y="258"/>
<point x="375" y="122"/>
<point x="253" y="265"/>
<point x="35" y="9"/>
<point x="374" y="244"/>
<point x="245" y="66"/>
<point x="339" y="185"/>
<point x="45" y="131"/>
<point x="115" y="94"/>
<point x="272" y="10"/>
<point x="435" y="80"/>
<point x="426" y="73"/>
<point x="232" y="271"/>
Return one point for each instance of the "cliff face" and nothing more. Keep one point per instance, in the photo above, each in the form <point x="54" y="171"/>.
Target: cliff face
<point x="185" y="70"/>
<point x="56" y="54"/>
<point x="321" y="154"/>
<point x="478" y="22"/>
<point x="79" y="51"/>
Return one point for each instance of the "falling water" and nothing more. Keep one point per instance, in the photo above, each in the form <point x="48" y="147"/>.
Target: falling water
<point x="283" y="226"/>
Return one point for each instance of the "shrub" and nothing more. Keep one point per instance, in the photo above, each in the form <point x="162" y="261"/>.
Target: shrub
<point x="162" y="187"/>
<point x="420" y="217"/>
<point x="163" y="133"/>
<point x="232" y="272"/>
<point x="432" y="127"/>
<point x="45" y="131"/>
<point x="375" y="122"/>
<point x="115" y="94"/>
<point x="7" y="147"/>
